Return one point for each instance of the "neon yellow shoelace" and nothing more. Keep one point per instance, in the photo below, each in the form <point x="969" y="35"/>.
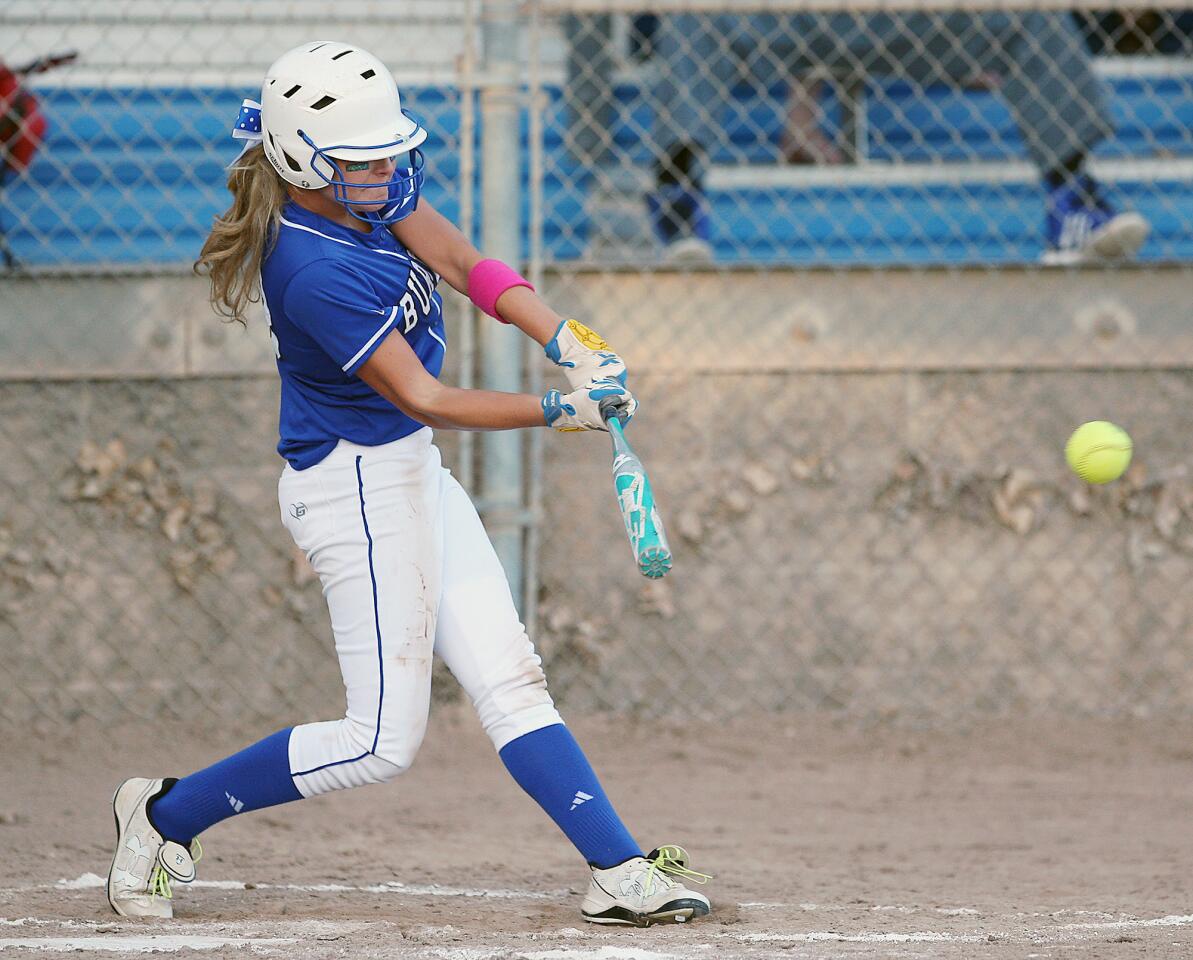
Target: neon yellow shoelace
<point x="160" y="882"/>
<point x="673" y="860"/>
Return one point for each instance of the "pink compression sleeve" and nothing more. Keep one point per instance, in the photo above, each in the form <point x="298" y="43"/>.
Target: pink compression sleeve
<point x="488" y="280"/>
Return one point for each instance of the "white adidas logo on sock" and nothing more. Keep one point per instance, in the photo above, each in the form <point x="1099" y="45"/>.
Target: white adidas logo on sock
<point x="1075" y="231"/>
<point x="235" y="804"/>
<point x="579" y="798"/>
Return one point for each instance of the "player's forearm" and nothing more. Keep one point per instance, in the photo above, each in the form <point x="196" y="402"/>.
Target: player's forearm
<point x="527" y="311"/>
<point x="451" y="408"/>
<point x="396" y="372"/>
<point x="456" y="409"/>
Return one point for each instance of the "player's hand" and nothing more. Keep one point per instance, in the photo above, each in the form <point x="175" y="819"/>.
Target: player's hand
<point x="584" y="355"/>
<point x="581" y="409"/>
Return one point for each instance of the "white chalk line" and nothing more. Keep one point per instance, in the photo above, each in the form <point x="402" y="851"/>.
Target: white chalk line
<point x="571" y="953"/>
<point x="304" y="927"/>
<point x="597" y="953"/>
<point x="173" y="942"/>
<point x="90" y="881"/>
<point x="1065" y="931"/>
<point x="1177" y="920"/>
<point x="142" y="943"/>
<point x="823" y="936"/>
<point x="168" y="936"/>
<point x="853" y="908"/>
<point x="1057" y="933"/>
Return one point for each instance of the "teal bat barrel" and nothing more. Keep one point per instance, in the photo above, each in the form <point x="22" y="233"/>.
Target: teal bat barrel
<point x="635" y="499"/>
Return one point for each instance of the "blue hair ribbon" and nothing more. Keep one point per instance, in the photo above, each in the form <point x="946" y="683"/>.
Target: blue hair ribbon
<point x="247" y="128"/>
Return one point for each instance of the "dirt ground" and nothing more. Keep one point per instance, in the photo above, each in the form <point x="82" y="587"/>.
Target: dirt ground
<point x="1033" y="839"/>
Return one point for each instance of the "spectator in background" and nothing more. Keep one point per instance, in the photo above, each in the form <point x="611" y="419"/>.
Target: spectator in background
<point x="1174" y="36"/>
<point x="1046" y="80"/>
<point x="803" y="142"/>
<point x="589" y="87"/>
<point x="1144" y="32"/>
<point x="22" y="125"/>
<point x="588" y="90"/>
<point x="22" y="128"/>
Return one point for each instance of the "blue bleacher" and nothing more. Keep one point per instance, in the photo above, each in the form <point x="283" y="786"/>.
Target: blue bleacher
<point x="928" y="224"/>
<point x="134" y="176"/>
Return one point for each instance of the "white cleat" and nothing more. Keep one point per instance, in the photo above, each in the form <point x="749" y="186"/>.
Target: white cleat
<point x="641" y="891"/>
<point x="688" y="250"/>
<point x="144" y="864"/>
<point x="1120" y="237"/>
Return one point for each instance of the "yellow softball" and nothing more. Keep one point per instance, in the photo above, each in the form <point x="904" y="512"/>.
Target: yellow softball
<point x="1098" y="451"/>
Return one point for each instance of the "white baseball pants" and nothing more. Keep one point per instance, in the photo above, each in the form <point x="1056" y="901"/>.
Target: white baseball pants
<point x="407" y="570"/>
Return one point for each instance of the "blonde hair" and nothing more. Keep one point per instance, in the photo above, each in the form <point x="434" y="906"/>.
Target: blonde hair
<point x="241" y="237"/>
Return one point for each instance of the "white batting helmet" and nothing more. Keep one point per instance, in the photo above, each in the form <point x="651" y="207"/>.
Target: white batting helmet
<point x="329" y="99"/>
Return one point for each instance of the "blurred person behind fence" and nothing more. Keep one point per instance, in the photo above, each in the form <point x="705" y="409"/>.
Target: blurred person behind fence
<point x="1158" y="31"/>
<point x="22" y="124"/>
<point x="1046" y="77"/>
<point x="588" y="93"/>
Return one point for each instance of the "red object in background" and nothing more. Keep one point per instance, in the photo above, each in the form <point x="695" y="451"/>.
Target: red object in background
<point x="22" y="125"/>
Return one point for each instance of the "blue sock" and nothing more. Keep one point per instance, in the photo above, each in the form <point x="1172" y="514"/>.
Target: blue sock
<point x="258" y="776"/>
<point x="550" y="766"/>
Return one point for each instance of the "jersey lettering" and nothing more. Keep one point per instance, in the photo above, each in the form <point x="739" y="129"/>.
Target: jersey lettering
<point x="408" y="312"/>
<point x="416" y="301"/>
<point x="430" y="279"/>
<point x="415" y="284"/>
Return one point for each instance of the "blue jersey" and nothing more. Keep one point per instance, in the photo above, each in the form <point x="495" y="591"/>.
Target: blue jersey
<point x="332" y="295"/>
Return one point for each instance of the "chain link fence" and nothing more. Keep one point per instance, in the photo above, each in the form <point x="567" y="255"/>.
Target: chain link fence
<point x="837" y="243"/>
<point x="814" y="136"/>
<point x="820" y="236"/>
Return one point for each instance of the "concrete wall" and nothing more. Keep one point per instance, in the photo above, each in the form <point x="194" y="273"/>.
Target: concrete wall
<point x="861" y="474"/>
<point x="747" y="321"/>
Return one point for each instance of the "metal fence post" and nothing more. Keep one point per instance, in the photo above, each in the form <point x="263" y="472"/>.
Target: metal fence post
<point x="501" y="232"/>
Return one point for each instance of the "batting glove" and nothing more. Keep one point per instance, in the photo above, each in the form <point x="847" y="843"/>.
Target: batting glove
<point x="581" y="409"/>
<point x="584" y="355"/>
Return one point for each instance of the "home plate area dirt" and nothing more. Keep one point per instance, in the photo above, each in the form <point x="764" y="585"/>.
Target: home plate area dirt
<point x="1026" y="839"/>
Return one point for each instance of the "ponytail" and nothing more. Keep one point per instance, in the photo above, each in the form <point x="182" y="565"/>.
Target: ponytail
<point x="240" y="238"/>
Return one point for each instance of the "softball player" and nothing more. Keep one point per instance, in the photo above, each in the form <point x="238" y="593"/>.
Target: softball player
<point x="326" y="224"/>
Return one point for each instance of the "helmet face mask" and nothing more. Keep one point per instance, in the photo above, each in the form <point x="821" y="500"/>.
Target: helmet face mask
<point x="326" y="101"/>
<point x="402" y="189"/>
